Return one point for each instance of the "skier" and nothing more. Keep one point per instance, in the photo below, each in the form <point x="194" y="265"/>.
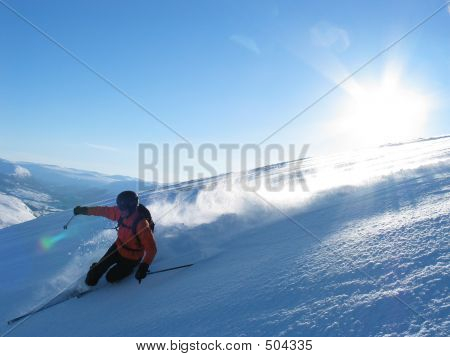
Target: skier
<point x="135" y="244"/>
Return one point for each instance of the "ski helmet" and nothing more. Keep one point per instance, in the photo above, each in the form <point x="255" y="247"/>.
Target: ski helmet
<point x="127" y="200"/>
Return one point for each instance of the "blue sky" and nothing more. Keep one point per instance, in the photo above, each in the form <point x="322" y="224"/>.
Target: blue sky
<point x="214" y="71"/>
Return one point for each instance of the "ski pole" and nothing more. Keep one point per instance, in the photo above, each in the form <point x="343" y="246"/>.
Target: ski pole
<point x="161" y="271"/>
<point x="67" y="224"/>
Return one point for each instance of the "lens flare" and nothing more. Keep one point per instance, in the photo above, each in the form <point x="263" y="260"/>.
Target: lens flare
<point x="48" y="242"/>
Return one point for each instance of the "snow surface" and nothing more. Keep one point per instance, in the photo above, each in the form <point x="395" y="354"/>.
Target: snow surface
<point x="365" y="252"/>
<point x="13" y="211"/>
<point x="21" y="172"/>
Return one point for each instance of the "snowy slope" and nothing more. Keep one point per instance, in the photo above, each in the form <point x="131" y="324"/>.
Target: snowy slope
<point x="364" y="253"/>
<point x="13" y="211"/>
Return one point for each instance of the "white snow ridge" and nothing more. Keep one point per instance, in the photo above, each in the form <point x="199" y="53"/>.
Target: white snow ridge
<point x="364" y="253"/>
<point x="20" y="171"/>
<point x="13" y="211"/>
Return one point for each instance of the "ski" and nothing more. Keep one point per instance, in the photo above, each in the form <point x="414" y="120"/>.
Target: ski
<point x="67" y="295"/>
<point x="82" y="293"/>
<point x="58" y="299"/>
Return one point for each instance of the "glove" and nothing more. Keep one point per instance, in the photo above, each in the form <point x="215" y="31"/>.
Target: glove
<point x="141" y="272"/>
<point x="80" y="210"/>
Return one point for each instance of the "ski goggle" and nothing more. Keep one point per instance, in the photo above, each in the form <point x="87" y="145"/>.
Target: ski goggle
<point x="126" y="205"/>
<point x="123" y="206"/>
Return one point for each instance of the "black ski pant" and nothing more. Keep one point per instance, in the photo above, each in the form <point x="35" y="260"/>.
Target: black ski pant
<point x="121" y="267"/>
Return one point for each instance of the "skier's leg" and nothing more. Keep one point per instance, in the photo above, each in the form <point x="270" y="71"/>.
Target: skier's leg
<point x="121" y="270"/>
<point x="98" y="269"/>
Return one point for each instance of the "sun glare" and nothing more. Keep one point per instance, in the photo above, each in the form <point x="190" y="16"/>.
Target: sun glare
<point x="384" y="112"/>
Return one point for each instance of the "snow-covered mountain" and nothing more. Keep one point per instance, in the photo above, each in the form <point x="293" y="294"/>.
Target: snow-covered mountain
<point x="364" y="252"/>
<point x="13" y="211"/>
<point x="42" y="189"/>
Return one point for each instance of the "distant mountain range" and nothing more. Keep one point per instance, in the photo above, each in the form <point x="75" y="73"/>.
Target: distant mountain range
<point x="29" y="190"/>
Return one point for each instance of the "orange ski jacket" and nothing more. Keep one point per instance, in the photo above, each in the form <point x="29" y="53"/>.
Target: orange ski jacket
<point x="127" y="244"/>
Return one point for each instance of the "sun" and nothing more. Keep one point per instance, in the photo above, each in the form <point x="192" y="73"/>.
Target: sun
<point x="383" y="112"/>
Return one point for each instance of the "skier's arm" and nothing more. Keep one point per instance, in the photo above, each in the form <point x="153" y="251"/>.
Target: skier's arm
<point x="147" y="240"/>
<point x="111" y="213"/>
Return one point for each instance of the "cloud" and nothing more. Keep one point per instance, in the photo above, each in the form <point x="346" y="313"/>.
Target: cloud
<point x="322" y="53"/>
<point x="328" y="36"/>
<point x="246" y="42"/>
<point x="102" y="147"/>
